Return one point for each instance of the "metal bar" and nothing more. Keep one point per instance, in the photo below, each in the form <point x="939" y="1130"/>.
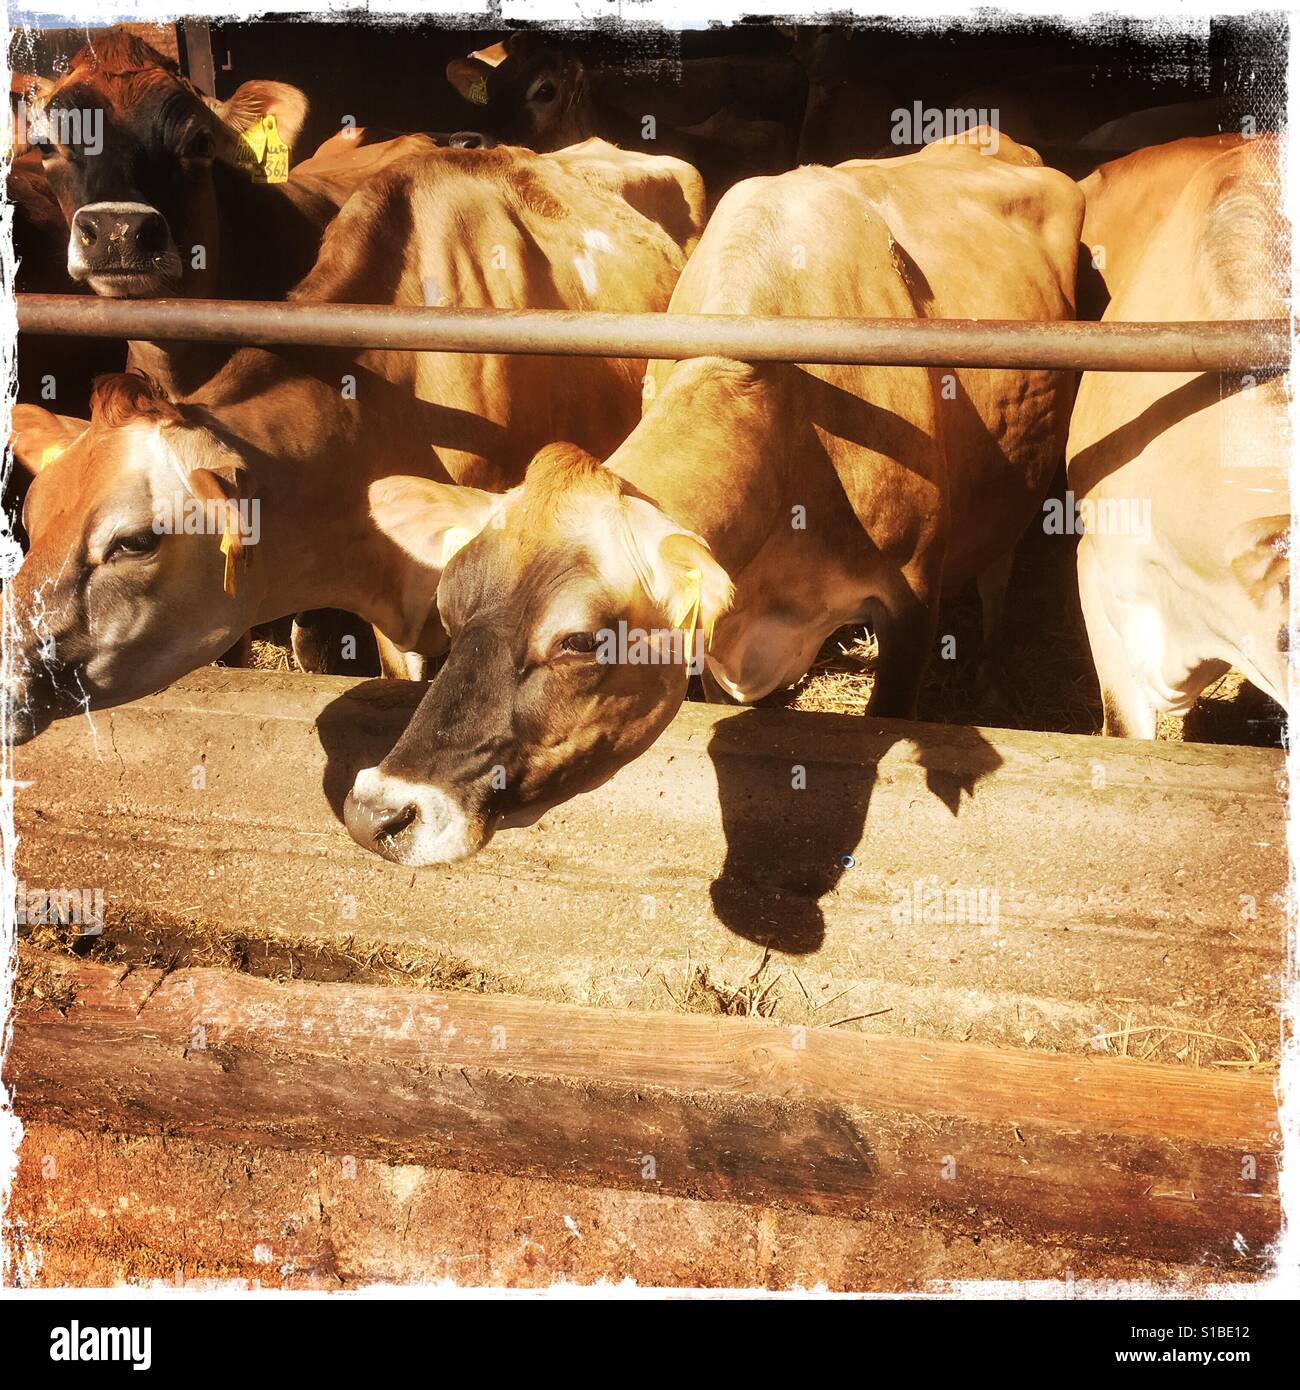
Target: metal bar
<point x="1250" y="345"/>
<point x="198" y="55"/>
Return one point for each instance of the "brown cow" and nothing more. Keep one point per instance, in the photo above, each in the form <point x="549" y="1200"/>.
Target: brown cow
<point x="760" y="507"/>
<point x="152" y="178"/>
<point x="151" y="182"/>
<point x="1180" y="480"/>
<point x="730" y="117"/>
<point x="116" y="597"/>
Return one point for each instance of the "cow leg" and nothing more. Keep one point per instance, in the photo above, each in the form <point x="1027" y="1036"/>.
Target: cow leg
<point x="992" y="585"/>
<point x="330" y="642"/>
<point x="397" y="664"/>
<point x="1128" y="710"/>
<point x="905" y="636"/>
<point x="310" y="642"/>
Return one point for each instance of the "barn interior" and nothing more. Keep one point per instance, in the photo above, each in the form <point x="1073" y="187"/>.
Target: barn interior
<point x="1223" y="73"/>
<point x="649" y="1123"/>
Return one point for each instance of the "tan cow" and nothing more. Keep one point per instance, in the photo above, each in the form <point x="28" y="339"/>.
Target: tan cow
<point x="762" y="506"/>
<point x="107" y="607"/>
<point x="1181" y="480"/>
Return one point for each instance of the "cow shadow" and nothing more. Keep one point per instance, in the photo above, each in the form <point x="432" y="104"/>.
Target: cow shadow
<point x="794" y="825"/>
<point x="359" y="729"/>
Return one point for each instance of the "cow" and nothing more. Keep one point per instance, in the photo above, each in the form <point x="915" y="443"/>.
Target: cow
<point x="730" y="117"/>
<point x="116" y="599"/>
<point x="1180" y="479"/>
<point x="754" y="510"/>
<point x="155" y="183"/>
<point x="162" y="194"/>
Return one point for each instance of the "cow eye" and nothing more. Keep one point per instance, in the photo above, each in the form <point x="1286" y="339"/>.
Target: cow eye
<point x="45" y="148"/>
<point x="134" y="543"/>
<point x="579" y="643"/>
<point x="544" y="91"/>
<point x="200" y="146"/>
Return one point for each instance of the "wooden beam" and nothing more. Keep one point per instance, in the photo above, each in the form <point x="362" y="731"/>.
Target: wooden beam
<point x="199" y="65"/>
<point x="1171" y="1163"/>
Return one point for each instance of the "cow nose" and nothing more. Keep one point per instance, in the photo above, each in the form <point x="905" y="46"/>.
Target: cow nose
<point x="472" y="140"/>
<point x="119" y="234"/>
<point x="22" y="713"/>
<point x="375" y="824"/>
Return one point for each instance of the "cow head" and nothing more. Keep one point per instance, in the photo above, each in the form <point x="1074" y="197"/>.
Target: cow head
<point x="130" y="148"/>
<point x="573" y="613"/>
<point x="532" y="92"/>
<point x="139" y="527"/>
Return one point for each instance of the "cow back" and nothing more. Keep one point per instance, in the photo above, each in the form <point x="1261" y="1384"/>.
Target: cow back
<point x="873" y="239"/>
<point x="591" y="228"/>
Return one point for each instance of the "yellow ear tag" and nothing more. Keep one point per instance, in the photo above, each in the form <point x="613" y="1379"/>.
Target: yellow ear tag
<point x="687" y="614"/>
<point x="478" y="92"/>
<point x="263" y="153"/>
<point x="454" y="539"/>
<point x="228" y="550"/>
<point x="48" y="455"/>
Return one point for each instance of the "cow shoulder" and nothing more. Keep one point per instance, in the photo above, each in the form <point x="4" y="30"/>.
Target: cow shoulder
<point x="662" y="188"/>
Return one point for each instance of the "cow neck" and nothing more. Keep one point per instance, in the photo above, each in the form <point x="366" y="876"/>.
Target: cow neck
<point x="267" y="239"/>
<point x="312" y="455"/>
<point x="707" y="453"/>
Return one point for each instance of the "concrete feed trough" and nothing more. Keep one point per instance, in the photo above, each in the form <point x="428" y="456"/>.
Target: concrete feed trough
<point x="1012" y="993"/>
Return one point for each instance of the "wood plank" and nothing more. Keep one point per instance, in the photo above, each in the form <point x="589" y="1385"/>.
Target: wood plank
<point x="1169" y="1163"/>
<point x="90" y="1208"/>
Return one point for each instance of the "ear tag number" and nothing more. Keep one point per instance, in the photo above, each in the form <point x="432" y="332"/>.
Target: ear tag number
<point x="263" y="152"/>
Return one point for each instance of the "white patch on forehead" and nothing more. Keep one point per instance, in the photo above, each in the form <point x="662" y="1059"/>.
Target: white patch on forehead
<point x="144" y="457"/>
<point x="585" y="264"/>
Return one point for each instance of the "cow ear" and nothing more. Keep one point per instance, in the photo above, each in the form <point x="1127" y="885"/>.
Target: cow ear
<point x="30" y="85"/>
<point x="253" y="100"/>
<point x="696" y="583"/>
<point x="470" y="76"/>
<point x="429" y="521"/>
<point x="37" y="436"/>
<point x="674" y="567"/>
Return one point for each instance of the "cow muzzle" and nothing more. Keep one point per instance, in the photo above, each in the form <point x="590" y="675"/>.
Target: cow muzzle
<point x="471" y="140"/>
<point x="29" y="703"/>
<point x="122" y="250"/>
<point x="409" y="822"/>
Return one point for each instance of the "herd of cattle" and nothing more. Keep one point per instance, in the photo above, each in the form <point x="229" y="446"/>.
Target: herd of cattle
<point x="504" y="515"/>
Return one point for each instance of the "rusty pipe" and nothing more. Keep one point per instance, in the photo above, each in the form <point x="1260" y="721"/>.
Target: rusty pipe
<point x="1248" y="345"/>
